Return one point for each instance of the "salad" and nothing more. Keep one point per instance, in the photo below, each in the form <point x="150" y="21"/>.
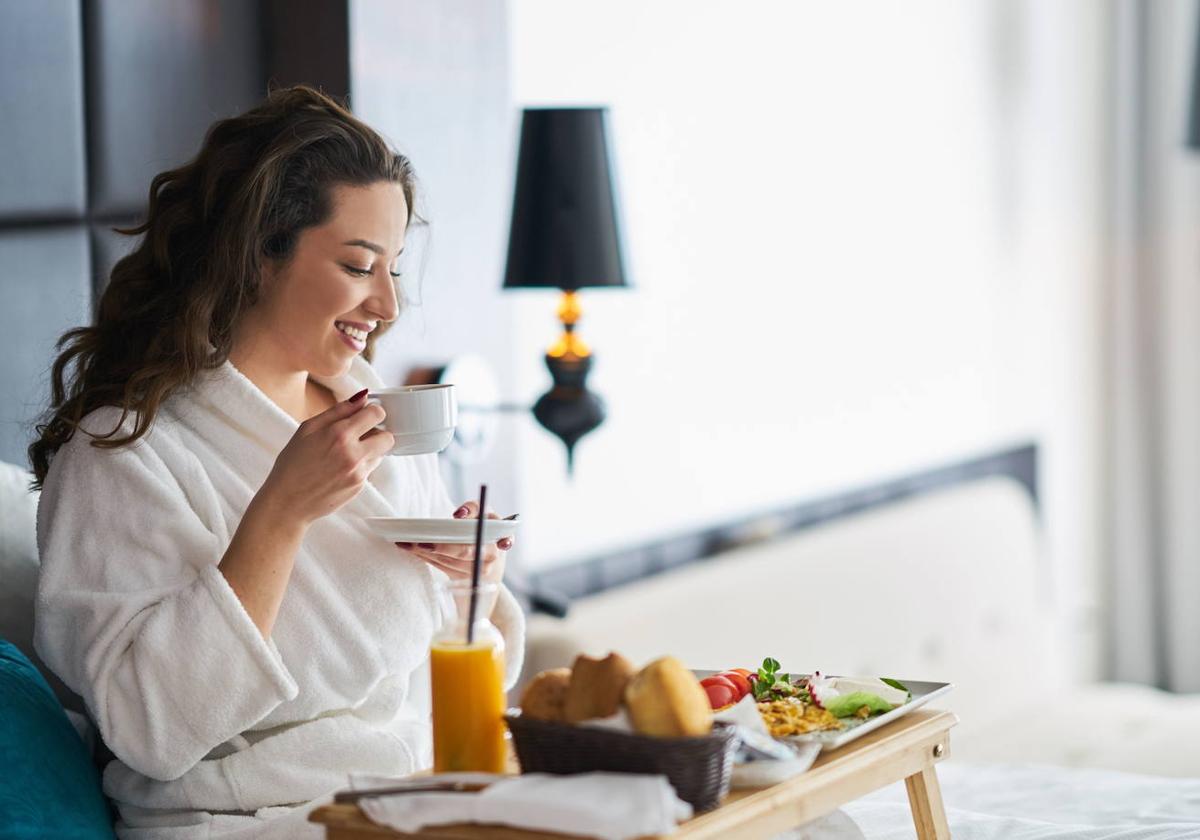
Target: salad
<point x="799" y="704"/>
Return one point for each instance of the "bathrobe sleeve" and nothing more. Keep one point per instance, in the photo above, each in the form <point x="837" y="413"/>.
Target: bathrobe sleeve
<point x="133" y="614"/>
<point x="507" y="614"/>
<point x="510" y="621"/>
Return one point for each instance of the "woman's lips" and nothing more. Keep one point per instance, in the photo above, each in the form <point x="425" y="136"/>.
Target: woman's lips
<point x="353" y="343"/>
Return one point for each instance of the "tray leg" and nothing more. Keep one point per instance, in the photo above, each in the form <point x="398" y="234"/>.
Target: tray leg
<point x="925" y="799"/>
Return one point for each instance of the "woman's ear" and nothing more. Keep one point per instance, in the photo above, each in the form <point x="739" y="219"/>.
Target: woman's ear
<point x="275" y="251"/>
<point x="277" y="246"/>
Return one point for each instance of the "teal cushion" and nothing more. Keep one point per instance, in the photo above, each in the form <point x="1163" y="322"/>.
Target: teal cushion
<point x="48" y="784"/>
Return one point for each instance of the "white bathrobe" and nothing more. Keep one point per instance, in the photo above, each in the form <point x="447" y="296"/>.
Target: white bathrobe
<point x="213" y="727"/>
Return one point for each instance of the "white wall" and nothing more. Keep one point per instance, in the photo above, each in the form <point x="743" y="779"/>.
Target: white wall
<point x="865" y="239"/>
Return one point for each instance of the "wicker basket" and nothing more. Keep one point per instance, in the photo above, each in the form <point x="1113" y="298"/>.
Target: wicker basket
<point x="698" y="768"/>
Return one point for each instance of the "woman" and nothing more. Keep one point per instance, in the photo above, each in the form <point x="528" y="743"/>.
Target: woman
<point x="208" y="584"/>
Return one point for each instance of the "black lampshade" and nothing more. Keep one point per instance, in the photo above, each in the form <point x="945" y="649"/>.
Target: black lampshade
<point x="565" y="233"/>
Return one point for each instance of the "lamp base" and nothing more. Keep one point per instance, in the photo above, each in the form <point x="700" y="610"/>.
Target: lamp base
<point x="569" y="410"/>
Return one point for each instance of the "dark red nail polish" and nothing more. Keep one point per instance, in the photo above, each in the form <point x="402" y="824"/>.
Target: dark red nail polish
<point x="404" y="545"/>
<point x="359" y="396"/>
<point x="425" y="545"/>
<point x="461" y="512"/>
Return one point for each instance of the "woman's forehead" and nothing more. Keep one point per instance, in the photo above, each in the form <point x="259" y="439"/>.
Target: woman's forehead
<point x="373" y="216"/>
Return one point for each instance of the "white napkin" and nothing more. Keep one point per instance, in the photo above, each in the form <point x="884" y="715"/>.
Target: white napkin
<point x="744" y="713"/>
<point x="611" y="806"/>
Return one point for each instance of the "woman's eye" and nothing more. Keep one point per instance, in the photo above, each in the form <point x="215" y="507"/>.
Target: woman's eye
<point x="356" y="271"/>
<point x="395" y="274"/>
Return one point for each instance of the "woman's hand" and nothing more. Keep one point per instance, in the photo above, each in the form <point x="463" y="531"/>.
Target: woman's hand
<point x="456" y="560"/>
<point x="327" y="461"/>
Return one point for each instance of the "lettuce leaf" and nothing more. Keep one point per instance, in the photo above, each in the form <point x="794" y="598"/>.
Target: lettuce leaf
<point x="845" y="705"/>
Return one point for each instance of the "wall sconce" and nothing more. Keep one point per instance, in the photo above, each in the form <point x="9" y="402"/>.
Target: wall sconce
<point x="565" y="235"/>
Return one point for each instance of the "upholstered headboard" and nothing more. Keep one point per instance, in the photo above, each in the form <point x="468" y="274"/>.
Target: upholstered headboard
<point x="943" y="585"/>
<point x="98" y="98"/>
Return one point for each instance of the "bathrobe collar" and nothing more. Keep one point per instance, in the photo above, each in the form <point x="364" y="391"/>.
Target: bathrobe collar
<point x="227" y="392"/>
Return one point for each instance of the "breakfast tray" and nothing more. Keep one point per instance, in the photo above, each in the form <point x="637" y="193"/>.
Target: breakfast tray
<point x="906" y="749"/>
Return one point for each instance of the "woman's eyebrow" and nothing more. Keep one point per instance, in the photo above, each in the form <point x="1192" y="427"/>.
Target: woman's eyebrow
<point x="370" y="246"/>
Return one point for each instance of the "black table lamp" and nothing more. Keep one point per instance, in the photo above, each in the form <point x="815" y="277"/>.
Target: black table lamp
<point x="565" y="235"/>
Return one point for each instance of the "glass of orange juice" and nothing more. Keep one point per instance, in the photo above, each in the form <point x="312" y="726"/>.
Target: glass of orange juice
<point x="468" y="684"/>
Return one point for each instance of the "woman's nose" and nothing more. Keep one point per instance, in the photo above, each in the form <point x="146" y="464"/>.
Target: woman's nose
<point x="384" y="302"/>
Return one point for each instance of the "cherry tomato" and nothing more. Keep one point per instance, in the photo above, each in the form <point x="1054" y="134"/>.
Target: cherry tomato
<point x="719" y="679"/>
<point x="720" y="695"/>
<point x="739" y="681"/>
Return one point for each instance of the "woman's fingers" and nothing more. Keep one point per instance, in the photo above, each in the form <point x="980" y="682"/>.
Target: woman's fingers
<point x="469" y="510"/>
<point x="452" y="565"/>
<point x="460" y="554"/>
<point x="360" y="422"/>
<point x="504" y="543"/>
<point x="338" y="411"/>
<point x="377" y="442"/>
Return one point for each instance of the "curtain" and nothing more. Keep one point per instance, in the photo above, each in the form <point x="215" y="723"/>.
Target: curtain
<point x="1152" y="352"/>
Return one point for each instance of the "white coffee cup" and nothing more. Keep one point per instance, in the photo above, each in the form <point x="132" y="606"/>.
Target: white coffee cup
<point x="422" y="417"/>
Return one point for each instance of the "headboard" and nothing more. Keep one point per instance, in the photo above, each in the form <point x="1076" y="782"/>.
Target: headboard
<point x="555" y="586"/>
<point x="945" y="583"/>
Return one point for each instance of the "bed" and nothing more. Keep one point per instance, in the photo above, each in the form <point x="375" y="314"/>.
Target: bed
<point x="950" y="584"/>
<point x="944" y="584"/>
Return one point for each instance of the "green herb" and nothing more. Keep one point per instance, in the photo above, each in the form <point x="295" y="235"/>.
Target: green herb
<point x="898" y="685"/>
<point x="770" y="683"/>
<point x="765" y="678"/>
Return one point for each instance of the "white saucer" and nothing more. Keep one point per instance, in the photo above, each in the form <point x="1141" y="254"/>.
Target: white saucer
<point x="460" y="531"/>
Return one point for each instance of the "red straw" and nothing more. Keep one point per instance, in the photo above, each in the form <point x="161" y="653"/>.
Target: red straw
<point x="477" y="564"/>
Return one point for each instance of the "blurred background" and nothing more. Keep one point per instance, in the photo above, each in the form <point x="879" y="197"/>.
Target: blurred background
<point x="864" y="241"/>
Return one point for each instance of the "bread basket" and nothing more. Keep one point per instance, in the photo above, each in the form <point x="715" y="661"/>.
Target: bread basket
<point x="698" y="768"/>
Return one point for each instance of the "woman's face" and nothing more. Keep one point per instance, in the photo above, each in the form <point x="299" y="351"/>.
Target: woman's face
<point x="340" y="283"/>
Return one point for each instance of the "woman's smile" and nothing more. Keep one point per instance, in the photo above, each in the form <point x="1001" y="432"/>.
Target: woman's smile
<point x="353" y="333"/>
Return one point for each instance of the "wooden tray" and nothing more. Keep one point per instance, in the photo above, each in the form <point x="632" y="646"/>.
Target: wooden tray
<point x="908" y="749"/>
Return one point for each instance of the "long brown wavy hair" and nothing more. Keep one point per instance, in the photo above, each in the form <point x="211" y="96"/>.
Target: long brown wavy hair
<point x="170" y="307"/>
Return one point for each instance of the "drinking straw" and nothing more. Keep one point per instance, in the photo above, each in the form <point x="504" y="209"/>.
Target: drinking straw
<point x="477" y="564"/>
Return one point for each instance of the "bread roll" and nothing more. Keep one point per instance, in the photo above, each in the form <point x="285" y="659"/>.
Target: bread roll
<point x="665" y="700"/>
<point x="597" y="686"/>
<point x="544" y="697"/>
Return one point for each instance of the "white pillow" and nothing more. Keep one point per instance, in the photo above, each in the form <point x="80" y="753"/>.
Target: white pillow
<point x="19" y="572"/>
<point x="18" y="556"/>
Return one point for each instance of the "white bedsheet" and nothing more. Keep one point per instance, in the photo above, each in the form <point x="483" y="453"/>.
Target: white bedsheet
<point x="1010" y="802"/>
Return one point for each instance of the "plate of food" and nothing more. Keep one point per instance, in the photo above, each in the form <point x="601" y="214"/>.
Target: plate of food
<point x="816" y="707"/>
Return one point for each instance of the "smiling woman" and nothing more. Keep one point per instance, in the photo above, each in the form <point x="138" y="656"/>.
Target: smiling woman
<point x="209" y="584"/>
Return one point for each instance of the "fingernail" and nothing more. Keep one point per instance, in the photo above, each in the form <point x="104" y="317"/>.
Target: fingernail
<point x="461" y="512"/>
<point x="404" y="545"/>
<point x="359" y="396"/>
<point x="504" y="544"/>
<point x="425" y="545"/>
